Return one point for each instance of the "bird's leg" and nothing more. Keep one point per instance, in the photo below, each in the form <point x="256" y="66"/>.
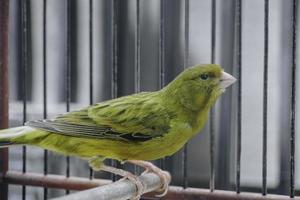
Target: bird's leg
<point x="164" y="176"/>
<point x="97" y="165"/>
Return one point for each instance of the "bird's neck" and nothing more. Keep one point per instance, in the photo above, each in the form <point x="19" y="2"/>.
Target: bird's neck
<point x="196" y="116"/>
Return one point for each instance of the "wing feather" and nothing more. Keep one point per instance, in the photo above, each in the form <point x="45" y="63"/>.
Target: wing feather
<point x="134" y="118"/>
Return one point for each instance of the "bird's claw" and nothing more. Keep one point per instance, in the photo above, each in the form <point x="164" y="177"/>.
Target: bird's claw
<point x="165" y="178"/>
<point x="139" y="185"/>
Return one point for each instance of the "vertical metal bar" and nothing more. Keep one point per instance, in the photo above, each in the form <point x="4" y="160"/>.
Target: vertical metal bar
<point x="213" y="30"/>
<point x="68" y="73"/>
<point x="137" y="64"/>
<point x="162" y="49"/>
<point x="265" y="98"/>
<point x="114" y="73"/>
<point x="293" y="100"/>
<point x="91" y="64"/>
<point x="185" y="62"/>
<point x="161" y="66"/>
<point x="4" y="10"/>
<point x="239" y="97"/>
<point x="212" y="112"/>
<point x="45" y="86"/>
<point x="91" y="52"/>
<point x="24" y="49"/>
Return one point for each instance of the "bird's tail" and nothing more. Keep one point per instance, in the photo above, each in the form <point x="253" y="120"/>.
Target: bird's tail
<point x="8" y="136"/>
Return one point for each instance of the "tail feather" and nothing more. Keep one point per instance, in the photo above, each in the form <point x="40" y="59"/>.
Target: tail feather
<point x="8" y="135"/>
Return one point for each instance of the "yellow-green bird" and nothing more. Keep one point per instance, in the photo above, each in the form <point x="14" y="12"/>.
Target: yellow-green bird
<point x="134" y="128"/>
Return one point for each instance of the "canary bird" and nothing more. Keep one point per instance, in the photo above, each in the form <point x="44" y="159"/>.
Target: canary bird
<point x="135" y="128"/>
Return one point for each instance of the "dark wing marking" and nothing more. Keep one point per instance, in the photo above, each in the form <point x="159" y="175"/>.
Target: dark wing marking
<point x="87" y="131"/>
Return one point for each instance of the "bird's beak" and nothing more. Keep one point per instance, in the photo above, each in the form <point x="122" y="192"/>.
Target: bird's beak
<point x="226" y="80"/>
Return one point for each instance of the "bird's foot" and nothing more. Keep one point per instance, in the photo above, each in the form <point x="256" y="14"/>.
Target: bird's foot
<point x="96" y="163"/>
<point x="164" y="176"/>
<point x="127" y="175"/>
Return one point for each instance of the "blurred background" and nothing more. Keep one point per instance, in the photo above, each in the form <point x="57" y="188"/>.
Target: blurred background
<point x="200" y="51"/>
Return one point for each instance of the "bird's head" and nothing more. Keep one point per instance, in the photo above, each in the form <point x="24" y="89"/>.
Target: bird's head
<point x="199" y="86"/>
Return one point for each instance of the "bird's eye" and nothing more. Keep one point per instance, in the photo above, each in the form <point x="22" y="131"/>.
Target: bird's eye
<point x="204" y="76"/>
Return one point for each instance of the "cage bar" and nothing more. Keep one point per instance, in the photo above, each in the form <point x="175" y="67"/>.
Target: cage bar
<point x="293" y="100"/>
<point x="45" y="86"/>
<point x="174" y="192"/>
<point x="178" y="193"/>
<point x="161" y="66"/>
<point x="114" y="60"/>
<point x="185" y="64"/>
<point x="124" y="189"/>
<point x="91" y="77"/>
<point x="137" y="66"/>
<point x="212" y="111"/>
<point x="52" y="181"/>
<point x="238" y="12"/>
<point x="25" y="5"/>
<point x="265" y="98"/>
<point x="162" y="49"/>
<point x="114" y="73"/>
<point x="4" y="12"/>
<point x="68" y="73"/>
<point x="213" y="31"/>
<point x="137" y="57"/>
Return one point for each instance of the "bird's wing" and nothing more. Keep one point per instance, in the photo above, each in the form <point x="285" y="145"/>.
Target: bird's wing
<point x="133" y="118"/>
